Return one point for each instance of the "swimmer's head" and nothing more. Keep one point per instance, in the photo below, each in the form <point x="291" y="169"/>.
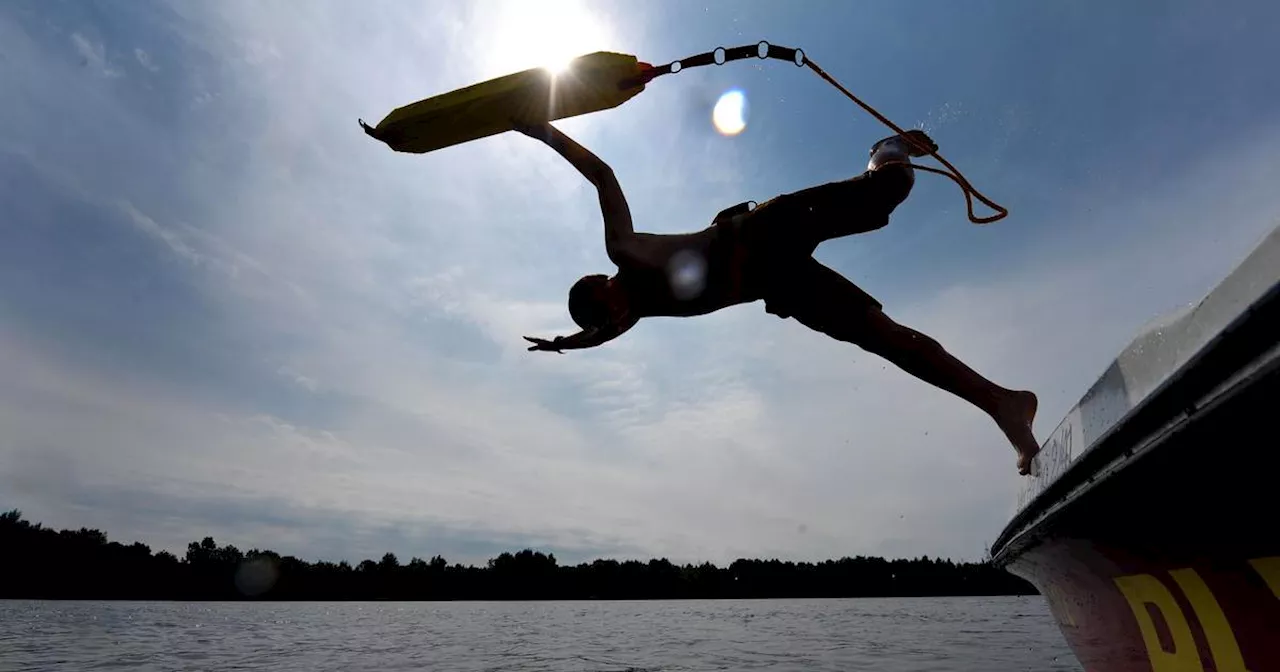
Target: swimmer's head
<point x="595" y="302"/>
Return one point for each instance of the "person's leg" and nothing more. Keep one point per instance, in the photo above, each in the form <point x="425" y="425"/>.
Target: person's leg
<point x="804" y="219"/>
<point x="926" y="359"/>
<point x="826" y="301"/>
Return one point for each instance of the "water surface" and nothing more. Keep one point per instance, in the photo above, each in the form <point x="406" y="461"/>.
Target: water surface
<point x="889" y="635"/>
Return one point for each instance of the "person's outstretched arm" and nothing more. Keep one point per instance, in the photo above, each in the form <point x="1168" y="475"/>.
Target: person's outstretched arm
<point x="587" y="338"/>
<point x="618" y="229"/>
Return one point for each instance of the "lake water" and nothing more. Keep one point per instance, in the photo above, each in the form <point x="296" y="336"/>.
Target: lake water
<point x="888" y="635"/>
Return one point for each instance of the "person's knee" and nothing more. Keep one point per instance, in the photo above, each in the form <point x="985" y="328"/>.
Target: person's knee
<point x="872" y="208"/>
<point x="856" y="328"/>
<point x="893" y="186"/>
<point x="875" y="340"/>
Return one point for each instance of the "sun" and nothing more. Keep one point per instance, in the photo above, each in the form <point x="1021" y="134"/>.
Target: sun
<point x="547" y="34"/>
<point x="557" y="65"/>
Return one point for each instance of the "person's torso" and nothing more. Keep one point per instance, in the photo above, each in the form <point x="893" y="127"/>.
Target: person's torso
<point x="686" y="274"/>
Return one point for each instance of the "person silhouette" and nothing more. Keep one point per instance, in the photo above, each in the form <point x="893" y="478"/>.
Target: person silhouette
<point x="766" y="254"/>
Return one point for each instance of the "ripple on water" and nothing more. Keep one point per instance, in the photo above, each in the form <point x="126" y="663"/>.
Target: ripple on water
<point x="953" y="634"/>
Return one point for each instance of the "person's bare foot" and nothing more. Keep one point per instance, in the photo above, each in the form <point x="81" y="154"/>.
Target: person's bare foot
<point x="1014" y="414"/>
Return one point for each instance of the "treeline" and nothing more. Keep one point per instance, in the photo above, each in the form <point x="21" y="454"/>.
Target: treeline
<point x="41" y="563"/>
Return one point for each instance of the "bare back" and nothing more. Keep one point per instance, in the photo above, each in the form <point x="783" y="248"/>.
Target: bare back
<point x="681" y="274"/>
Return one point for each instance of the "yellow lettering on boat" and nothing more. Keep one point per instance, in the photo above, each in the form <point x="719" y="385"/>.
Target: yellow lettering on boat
<point x="1217" y="631"/>
<point x="1269" y="570"/>
<point x="1143" y="589"/>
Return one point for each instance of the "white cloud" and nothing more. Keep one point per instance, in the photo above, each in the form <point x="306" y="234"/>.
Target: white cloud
<point x="94" y="56"/>
<point x="170" y="238"/>
<point x="144" y="59"/>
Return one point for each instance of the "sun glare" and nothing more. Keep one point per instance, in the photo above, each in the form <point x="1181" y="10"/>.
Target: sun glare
<point x="544" y="35"/>
<point x="558" y="65"/>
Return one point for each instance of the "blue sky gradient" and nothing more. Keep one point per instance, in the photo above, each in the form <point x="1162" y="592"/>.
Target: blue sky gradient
<point x="225" y="310"/>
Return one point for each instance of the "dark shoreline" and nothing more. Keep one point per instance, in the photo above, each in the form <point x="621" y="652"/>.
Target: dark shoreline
<point x="42" y="563"/>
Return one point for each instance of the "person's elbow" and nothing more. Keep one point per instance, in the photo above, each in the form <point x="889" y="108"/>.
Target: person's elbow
<point x="602" y="176"/>
<point x="617" y="246"/>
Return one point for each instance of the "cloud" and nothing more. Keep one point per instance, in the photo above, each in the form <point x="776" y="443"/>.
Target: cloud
<point x="144" y="59"/>
<point x="93" y="56"/>
<point x="343" y="371"/>
<point x="199" y="248"/>
<point x="169" y="237"/>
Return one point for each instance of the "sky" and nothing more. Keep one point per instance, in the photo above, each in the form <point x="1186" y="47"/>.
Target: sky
<point x="226" y="311"/>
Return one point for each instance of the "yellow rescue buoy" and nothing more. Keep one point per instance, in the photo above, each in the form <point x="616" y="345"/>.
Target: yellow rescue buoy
<point x="593" y="82"/>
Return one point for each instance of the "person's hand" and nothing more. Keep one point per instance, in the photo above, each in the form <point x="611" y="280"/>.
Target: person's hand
<point x="545" y="345"/>
<point x="917" y="137"/>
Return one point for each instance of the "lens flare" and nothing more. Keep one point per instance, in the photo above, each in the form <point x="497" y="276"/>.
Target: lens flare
<point x="730" y="113"/>
<point x="687" y="273"/>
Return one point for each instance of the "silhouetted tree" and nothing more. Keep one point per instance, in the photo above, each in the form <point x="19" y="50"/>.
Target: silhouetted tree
<point x="42" y="563"/>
